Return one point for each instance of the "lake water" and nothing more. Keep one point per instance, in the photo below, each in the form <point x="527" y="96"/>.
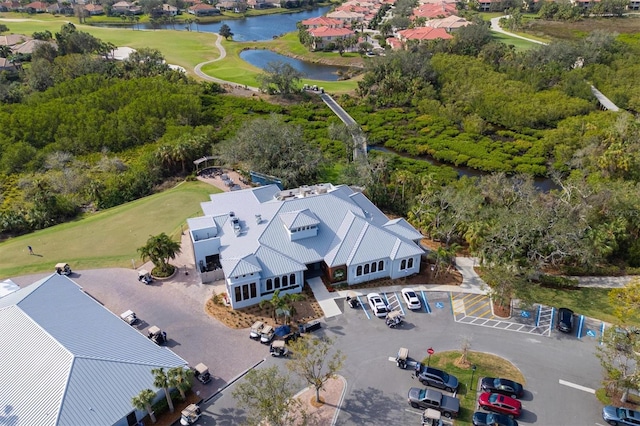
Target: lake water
<point x="261" y="58"/>
<point x="255" y="28"/>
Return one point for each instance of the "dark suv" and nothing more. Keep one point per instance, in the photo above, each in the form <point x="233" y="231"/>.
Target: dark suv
<point x="565" y="320"/>
<point x="430" y="376"/>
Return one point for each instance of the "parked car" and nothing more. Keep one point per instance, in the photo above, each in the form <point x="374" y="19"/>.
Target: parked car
<point x="500" y="404"/>
<point x="429" y="398"/>
<point x="565" y="320"/>
<point x="411" y="298"/>
<point x="503" y="386"/>
<point x="620" y="416"/>
<point x="433" y="377"/>
<point x="492" y="419"/>
<point x="379" y="308"/>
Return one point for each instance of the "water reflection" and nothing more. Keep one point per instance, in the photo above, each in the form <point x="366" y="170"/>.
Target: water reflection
<point x="261" y="58"/>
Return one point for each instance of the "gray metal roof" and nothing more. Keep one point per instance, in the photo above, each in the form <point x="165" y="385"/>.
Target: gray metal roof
<point x="202" y="222"/>
<point x="298" y="219"/>
<point x="238" y="267"/>
<point x="351" y="229"/>
<point x="71" y="361"/>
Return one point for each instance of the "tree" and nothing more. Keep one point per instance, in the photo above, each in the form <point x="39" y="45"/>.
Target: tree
<point x="276" y="148"/>
<point x="180" y="378"/>
<point x="145" y="62"/>
<point x="619" y="356"/>
<point x="160" y="249"/>
<point x="3" y="28"/>
<point x="143" y="401"/>
<point x="225" y="31"/>
<point x="311" y="360"/>
<point x="160" y="380"/>
<point x="269" y="395"/>
<point x="279" y="77"/>
<point x="626" y="300"/>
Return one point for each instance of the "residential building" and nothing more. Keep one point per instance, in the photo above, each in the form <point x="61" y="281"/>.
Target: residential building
<point x="324" y="36"/>
<point x="203" y="9"/>
<point x="423" y="33"/>
<point x="348" y="18"/>
<point x="94" y="9"/>
<point x="168" y="10"/>
<point x="67" y="360"/>
<point x="36" y="7"/>
<point x="263" y="239"/>
<point x="450" y="23"/>
<point x="322" y="21"/>
<point x="13" y="39"/>
<point x="434" y="10"/>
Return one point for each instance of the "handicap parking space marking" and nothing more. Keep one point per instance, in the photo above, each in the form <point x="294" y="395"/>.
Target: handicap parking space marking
<point x="364" y="308"/>
<point x="591" y="333"/>
<point x="425" y="301"/>
<point x="439" y="305"/>
<point x="399" y="303"/>
<point x="525" y="314"/>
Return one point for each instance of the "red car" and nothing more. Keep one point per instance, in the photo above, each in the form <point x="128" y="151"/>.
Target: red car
<point x="500" y="404"/>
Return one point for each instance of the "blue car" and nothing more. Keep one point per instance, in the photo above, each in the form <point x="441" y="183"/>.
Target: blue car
<point x="620" y="416"/>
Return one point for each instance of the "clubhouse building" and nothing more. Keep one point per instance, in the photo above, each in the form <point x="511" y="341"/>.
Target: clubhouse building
<point x="264" y="239"/>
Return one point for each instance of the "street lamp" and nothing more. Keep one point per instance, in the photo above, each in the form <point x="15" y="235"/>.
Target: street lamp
<point x="473" y="371"/>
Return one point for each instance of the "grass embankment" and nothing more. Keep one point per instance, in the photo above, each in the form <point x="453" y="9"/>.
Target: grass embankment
<point x="487" y="365"/>
<point x="109" y="238"/>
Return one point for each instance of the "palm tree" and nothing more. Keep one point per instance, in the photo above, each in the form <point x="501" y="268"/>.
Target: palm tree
<point x="160" y="380"/>
<point x="276" y="303"/>
<point x="159" y="250"/>
<point x="289" y="300"/>
<point x="143" y="400"/>
<point x="180" y="378"/>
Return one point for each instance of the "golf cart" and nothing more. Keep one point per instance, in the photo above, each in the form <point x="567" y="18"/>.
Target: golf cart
<point x="352" y="300"/>
<point x="156" y="335"/>
<point x="256" y="329"/>
<point x="266" y="335"/>
<point x="144" y="276"/>
<point x="402" y="357"/>
<point x="63" y="269"/>
<point x="201" y="372"/>
<point x="278" y="349"/>
<point x="190" y="415"/>
<point x="394" y="319"/>
<point x="129" y="317"/>
<point x="431" y="417"/>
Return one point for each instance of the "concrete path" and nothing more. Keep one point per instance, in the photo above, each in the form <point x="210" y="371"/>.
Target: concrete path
<point x="223" y="54"/>
<point x="604" y="282"/>
<point x="495" y="26"/>
<point x="324" y="298"/>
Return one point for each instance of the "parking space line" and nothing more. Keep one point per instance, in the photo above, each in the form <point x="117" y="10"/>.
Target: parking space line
<point x="364" y="308"/>
<point x="472" y="300"/>
<point x="483" y="306"/>
<point x="425" y="301"/>
<point x="575" y="386"/>
<point x="579" y="335"/>
<point x="399" y="303"/>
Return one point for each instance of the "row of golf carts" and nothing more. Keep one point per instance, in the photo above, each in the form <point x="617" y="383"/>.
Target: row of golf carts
<point x="266" y="334"/>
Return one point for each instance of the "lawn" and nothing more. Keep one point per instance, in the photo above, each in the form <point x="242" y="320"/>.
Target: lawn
<point x="183" y="48"/>
<point x="591" y="302"/>
<point x="518" y="43"/>
<point x="487" y="365"/>
<point x="108" y="238"/>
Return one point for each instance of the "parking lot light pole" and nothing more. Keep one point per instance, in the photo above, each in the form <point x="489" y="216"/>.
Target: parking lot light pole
<point x="473" y="371"/>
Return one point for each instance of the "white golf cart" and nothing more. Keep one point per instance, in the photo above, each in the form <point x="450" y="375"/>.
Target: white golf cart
<point x="256" y="330"/>
<point x="266" y="335"/>
<point x="190" y="415"/>
<point x="63" y="269"/>
<point x="129" y="317"/>
<point x="144" y="276"/>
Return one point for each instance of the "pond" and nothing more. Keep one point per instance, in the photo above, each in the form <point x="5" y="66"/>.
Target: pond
<point x="261" y="58"/>
<point x="253" y="28"/>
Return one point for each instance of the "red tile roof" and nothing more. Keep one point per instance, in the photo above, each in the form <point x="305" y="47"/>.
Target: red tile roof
<point x="330" y="32"/>
<point x="431" y="10"/>
<point x="424" y="33"/>
<point x="322" y="21"/>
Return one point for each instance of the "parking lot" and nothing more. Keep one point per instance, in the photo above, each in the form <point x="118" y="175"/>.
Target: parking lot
<point x="560" y="371"/>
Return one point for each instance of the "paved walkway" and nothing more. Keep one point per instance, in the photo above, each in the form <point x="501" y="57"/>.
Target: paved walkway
<point x="324" y="298"/>
<point x="495" y="26"/>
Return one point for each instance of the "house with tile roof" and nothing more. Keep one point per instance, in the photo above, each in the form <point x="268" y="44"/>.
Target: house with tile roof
<point x="322" y="21"/>
<point x="36" y="7"/>
<point x="13" y="39"/>
<point x="203" y="9"/>
<point x="450" y="23"/>
<point x="67" y="360"/>
<point x="346" y="17"/>
<point x="434" y="10"/>
<point x="264" y="239"/>
<point x="423" y="33"/>
<point x="325" y="36"/>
